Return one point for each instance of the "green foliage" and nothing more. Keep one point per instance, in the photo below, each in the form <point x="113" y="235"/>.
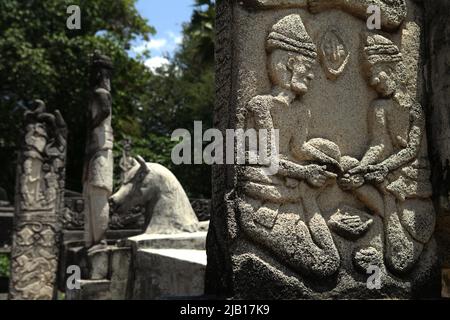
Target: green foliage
<point x="4" y="265"/>
<point x="43" y="59"/>
<point x="184" y="92"/>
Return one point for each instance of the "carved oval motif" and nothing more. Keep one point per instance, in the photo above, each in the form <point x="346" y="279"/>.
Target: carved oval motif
<point x="333" y="54"/>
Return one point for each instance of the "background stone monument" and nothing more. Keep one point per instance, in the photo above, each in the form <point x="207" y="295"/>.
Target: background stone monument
<point x="99" y="162"/>
<point x="39" y="204"/>
<point x="353" y="195"/>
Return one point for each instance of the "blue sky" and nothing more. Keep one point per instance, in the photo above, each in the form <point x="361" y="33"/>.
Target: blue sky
<point x="167" y="16"/>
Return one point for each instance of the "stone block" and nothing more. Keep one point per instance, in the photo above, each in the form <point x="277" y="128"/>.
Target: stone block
<point x="194" y="240"/>
<point x="169" y="273"/>
<point x="121" y="273"/>
<point x="90" y="290"/>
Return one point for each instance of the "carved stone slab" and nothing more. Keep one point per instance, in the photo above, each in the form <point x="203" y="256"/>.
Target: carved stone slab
<point x="353" y="195"/>
<point x="39" y="203"/>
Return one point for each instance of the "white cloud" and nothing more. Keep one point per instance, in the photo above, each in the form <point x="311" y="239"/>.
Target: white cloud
<point x="176" y="38"/>
<point x="156" y="62"/>
<point x="153" y="44"/>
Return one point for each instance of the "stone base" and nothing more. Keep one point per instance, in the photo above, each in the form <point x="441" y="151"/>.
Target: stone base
<point x="111" y="264"/>
<point x="90" y="290"/>
<point x="169" y="273"/>
<point x="73" y="252"/>
<point x="168" y="266"/>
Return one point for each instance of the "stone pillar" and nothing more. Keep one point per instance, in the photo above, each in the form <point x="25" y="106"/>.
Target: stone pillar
<point x="39" y="203"/>
<point x="352" y="195"/>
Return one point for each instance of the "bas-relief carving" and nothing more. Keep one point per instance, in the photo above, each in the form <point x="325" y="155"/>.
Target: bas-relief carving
<point x="284" y="206"/>
<point x="73" y="214"/>
<point x="396" y="160"/>
<point x="390" y="182"/>
<point x="393" y="12"/>
<point x="333" y="54"/>
<point x="39" y="199"/>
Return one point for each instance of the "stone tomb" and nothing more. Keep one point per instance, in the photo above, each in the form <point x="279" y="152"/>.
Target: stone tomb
<point x="352" y="197"/>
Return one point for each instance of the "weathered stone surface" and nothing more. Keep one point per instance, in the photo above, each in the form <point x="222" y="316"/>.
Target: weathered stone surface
<point x="353" y="190"/>
<point x="39" y="204"/>
<point x="99" y="264"/>
<point x="90" y="290"/>
<point x="121" y="274"/>
<point x="169" y="273"/>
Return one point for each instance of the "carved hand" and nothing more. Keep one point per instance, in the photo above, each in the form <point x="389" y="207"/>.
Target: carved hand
<point x="376" y="173"/>
<point x="317" y="176"/>
<point x="351" y="181"/>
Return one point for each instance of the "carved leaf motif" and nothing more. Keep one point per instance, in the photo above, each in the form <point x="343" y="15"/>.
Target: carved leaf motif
<point x="333" y="54"/>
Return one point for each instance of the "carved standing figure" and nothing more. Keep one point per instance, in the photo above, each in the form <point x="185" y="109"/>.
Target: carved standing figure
<point x="396" y="161"/>
<point x="98" y="170"/>
<point x="281" y="211"/>
<point x="127" y="162"/>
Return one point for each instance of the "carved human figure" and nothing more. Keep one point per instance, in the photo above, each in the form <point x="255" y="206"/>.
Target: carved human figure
<point x="35" y="142"/>
<point x="396" y="161"/>
<point x="280" y="211"/>
<point x="30" y="184"/>
<point x="51" y="185"/>
<point x="98" y="170"/>
<point x="127" y="162"/>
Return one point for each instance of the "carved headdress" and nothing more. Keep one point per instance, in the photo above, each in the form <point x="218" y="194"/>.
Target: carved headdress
<point x="380" y="49"/>
<point x="290" y="34"/>
<point x="101" y="61"/>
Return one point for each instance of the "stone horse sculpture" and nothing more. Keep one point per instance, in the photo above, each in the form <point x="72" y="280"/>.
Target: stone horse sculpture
<point x="153" y="187"/>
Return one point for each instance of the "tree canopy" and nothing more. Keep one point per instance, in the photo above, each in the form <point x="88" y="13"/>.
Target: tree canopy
<point x="42" y="58"/>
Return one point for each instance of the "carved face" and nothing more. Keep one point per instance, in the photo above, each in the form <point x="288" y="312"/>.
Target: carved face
<point x="28" y="167"/>
<point x="382" y="78"/>
<point x="291" y="71"/>
<point x="79" y="205"/>
<point x="300" y="68"/>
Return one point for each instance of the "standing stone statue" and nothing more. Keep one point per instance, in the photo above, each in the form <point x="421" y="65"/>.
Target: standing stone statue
<point x="98" y="169"/>
<point x="352" y="196"/>
<point x="127" y="162"/>
<point x="39" y="203"/>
